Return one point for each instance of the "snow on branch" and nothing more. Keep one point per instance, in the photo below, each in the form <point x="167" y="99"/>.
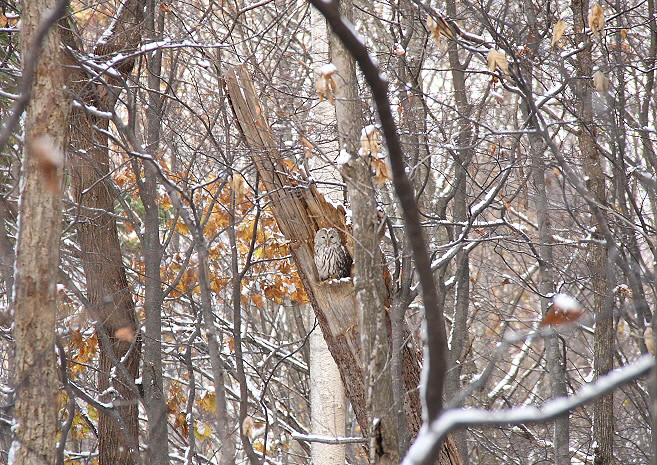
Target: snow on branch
<point x="327" y="439"/>
<point x="422" y="450"/>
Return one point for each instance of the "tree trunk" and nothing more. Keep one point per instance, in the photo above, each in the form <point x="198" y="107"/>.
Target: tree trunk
<point x="107" y="286"/>
<point x="328" y="412"/>
<point x="369" y="287"/>
<point x="603" y="344"/>
<point x="226" y="455"/>
<point x="463" y="155"/>
<point x="37" y="251"/>
<point x="556" y="362"/>
<point x="154" y="397"/>
<point x="300" y="210"/>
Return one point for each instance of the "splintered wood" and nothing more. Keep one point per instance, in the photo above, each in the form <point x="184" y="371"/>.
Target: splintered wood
<point x="300" y="210"/>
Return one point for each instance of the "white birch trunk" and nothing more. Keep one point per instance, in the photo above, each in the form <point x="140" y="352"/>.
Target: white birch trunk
<point x="327" y="402"/>
<point x="327" y="398"/>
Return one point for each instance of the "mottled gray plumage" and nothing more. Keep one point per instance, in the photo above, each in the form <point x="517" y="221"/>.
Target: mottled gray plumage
<point x="331" y="258"/>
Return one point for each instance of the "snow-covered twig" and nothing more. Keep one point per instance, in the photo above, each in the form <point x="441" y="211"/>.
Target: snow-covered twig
<point x="327" y="439"/>
<point x="423" y="449"/>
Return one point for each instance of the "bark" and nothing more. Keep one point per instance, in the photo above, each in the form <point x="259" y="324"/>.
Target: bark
<point x="649" y="154"/>
<point x="37" y="252"/>
<point x="603" y="344"/>
<point x="369" y="286"/>
<point x="556" y="362"/>
<point x="328" y="412"/>
<point x="107" y="286"/>
<point x="413" y="135"/>
<point x="300" y="210"/>
<point x="463" y="155"/>
<point x="7" y="255"/>
<point x="154" y="397"/>
<point x="237" y="325"/>
<point x="327" y="402"/>
<point x="226" y="454"/>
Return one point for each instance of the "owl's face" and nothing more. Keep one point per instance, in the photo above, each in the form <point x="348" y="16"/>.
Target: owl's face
<point x="321" y="238"/>
<point x="328" y="236"/>
<point x="334" y="237"/>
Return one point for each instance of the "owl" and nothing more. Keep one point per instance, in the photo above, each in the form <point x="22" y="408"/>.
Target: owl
<point x="331" y="258"/>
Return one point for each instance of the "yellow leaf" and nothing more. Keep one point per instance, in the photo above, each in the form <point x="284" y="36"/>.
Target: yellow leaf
<point x="259" y="446"/>
<point x="495" y="59"/>
<point x="597" y="20"/>
<point x="557" y="31"/>
<point x="208" y="402"/>
<point x="624" y="33"/>
<point x="92" y="412"/>
<point x="202" y="431"/>
<point x="164" y="201"/>
<point x="601" y="82"/>
<point x="180" y="423"/>
<point x="181" y="228"/>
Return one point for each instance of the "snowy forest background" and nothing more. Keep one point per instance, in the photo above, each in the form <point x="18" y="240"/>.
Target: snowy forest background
<point x="158" y="306"/>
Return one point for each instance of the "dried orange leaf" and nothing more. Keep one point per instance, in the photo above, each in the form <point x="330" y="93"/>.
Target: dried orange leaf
<point x="239" y="187"/>
<point x="597" y="20"/>
<point x="381" y="171"/>
<point x="258" y="300"/>
<point x="125" y="334"/>
<point x="649" y="339"/>
<point x="557" y="31"/>
<point x="369" y="140"/>
<point x="325" y="84"/>
<point x="438" y="28"/>
<point x="248" y="426"/>
<point x="601" y="82"/>
<point x="497" y="58"/>
<point x="51" y="161"/>
<point x="307" y="147"/>
<point x="565" y="309"/>
<point x="230" y="343"/>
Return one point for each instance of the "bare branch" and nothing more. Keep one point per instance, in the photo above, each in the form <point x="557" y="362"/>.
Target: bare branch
<point x="421" y="452"/>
